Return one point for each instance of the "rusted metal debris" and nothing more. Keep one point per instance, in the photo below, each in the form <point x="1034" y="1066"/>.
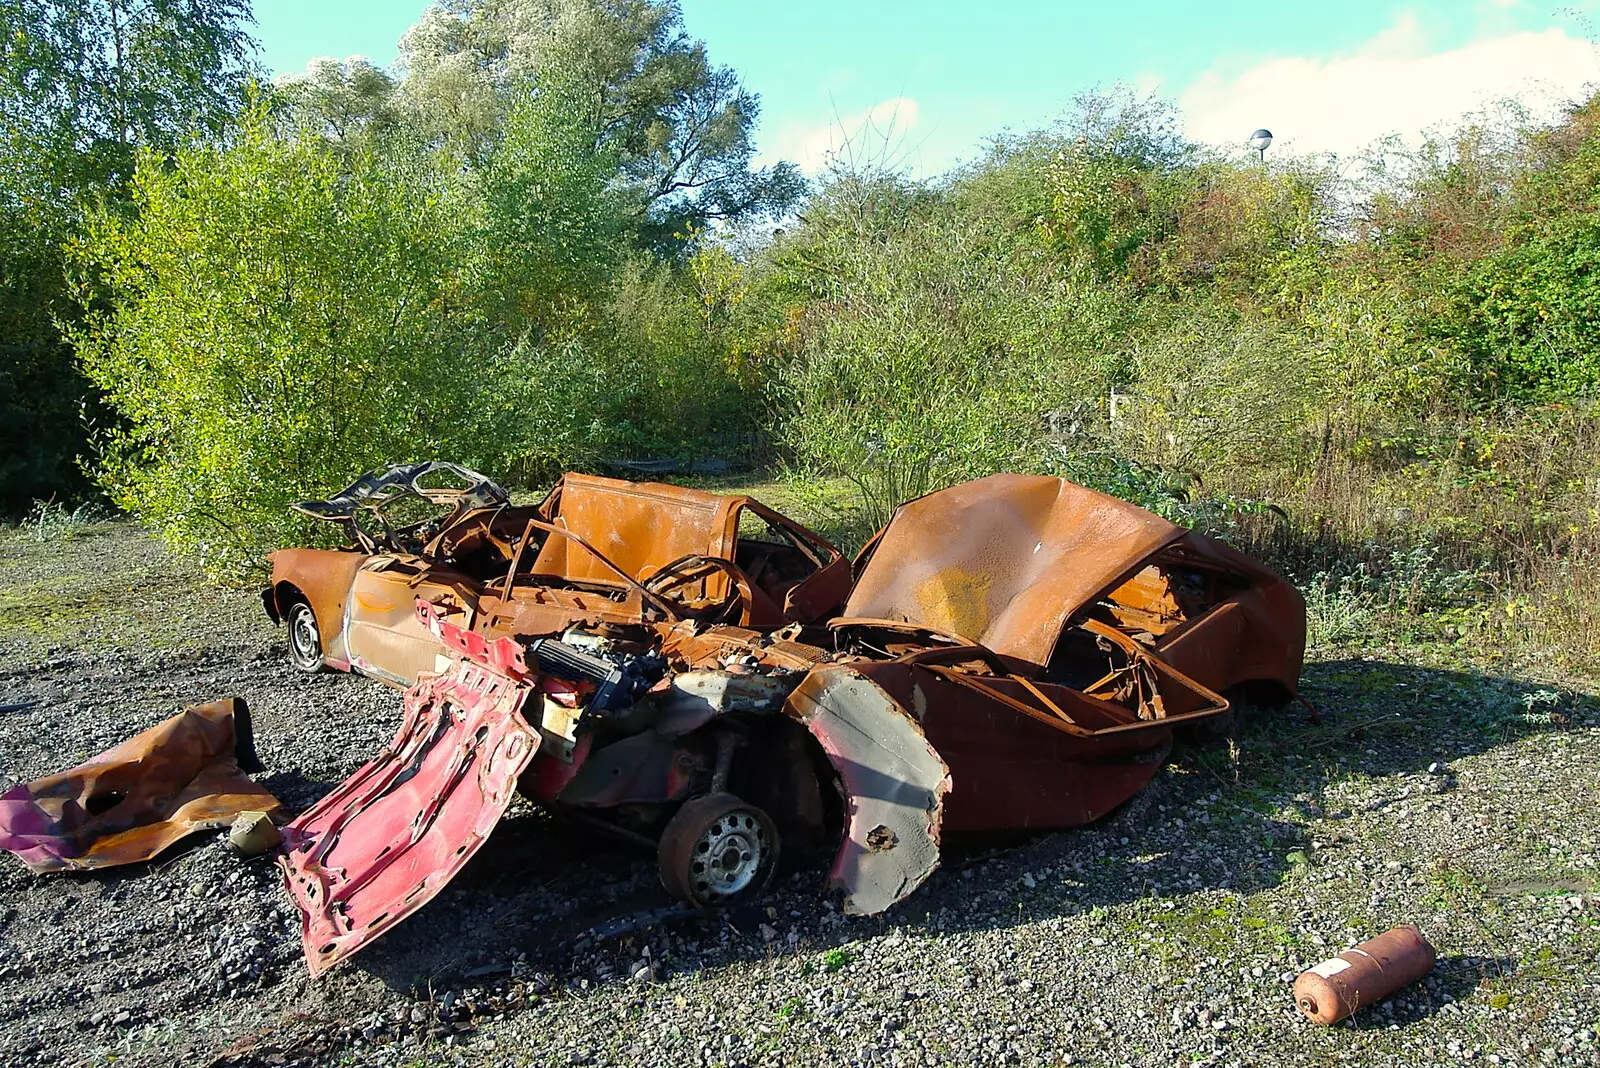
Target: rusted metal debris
<point x="597" y="552"/>
<point x="382" y="844"/>
<point x="368" y="506"/>
<point x="183" y="775"/>
<point x="1363" y="975"/>
<point x="697" y="671"/>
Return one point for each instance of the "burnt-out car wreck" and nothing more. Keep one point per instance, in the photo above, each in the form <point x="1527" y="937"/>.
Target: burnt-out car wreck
<point x="706" y="676"/>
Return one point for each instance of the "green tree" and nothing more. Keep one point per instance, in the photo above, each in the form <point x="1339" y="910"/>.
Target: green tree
<point x="83" y="84"/>
<point x="349" y="103"/>
<point x="553" y="225"/>
<point x="269" y="318"/>
<point x="678" y="126"/>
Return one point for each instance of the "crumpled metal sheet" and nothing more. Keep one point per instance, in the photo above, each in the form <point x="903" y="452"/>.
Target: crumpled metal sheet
<point x="376" y="488"/>
<point x="388" y="839"/>
<point x="1004" y="561"/>
<point x="894" y="786"/>
<point x="126" y="805"/>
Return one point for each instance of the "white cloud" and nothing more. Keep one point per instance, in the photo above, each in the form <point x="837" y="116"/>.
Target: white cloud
<point x="1391" y="85"/>
<point x="873" y="132"/>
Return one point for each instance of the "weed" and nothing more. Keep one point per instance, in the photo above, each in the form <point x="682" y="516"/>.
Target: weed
<point x="1338" y="611"/>
<point x="50" y="520"/>
<point x="1539" y="708"/>
<point x="836" y="958"/>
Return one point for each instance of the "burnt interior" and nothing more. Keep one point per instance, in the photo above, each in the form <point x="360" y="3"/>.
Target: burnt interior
<point x="481" y="544"/>
<point x="773" y="557"/>
<point x="1172" y="590"/>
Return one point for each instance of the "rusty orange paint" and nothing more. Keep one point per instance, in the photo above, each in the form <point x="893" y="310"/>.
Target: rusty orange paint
<point x="1363" y="975"/>
<point x="1004" y="561"/>
<point x="323" y="578"/>
<point x="639" y="526"/>
<point x="603" y="544"/>
<point x="1007" y="561"/>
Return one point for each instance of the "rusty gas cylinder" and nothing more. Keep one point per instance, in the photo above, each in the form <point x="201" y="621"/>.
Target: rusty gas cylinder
<point x="1358" y="977"/>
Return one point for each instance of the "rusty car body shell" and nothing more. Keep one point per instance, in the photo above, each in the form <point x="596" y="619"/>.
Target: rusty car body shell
<point x="1016" y="655"/>
<point x="597" y="540"/>
<point x="1008" y="560"/>
<point x="130" y="802"/>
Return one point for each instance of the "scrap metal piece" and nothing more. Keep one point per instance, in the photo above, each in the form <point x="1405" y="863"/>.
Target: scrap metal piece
<point x="1018" y="564"/>
<point x="388" y="839"/>
<point x="639" y="529"/>
<point x="1364" y="975"/>
<point x="126" y="805"/>
<point x="894" y="784"/>
<point x="363" y="505"/>
<point x="377" y="488"/>
<point x="1003" y="561"/>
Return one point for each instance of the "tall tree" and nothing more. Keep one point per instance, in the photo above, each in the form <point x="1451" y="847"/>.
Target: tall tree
<point x="348" y="103"/>
<point x="84" y="81"/>
<point x="680" y="127"/>
<point x="83" y="84"/>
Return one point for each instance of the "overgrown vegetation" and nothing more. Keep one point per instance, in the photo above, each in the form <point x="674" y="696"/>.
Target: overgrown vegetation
<point x="541" y="243"/>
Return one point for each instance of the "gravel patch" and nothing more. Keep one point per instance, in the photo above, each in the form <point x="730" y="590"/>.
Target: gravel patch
<point x="1433" y="792"/>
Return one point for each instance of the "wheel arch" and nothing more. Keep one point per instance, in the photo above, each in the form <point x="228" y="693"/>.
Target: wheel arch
<point x="321" y="578"/>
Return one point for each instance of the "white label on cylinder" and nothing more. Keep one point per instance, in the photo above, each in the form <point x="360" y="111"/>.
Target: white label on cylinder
<point x="1330" y="968"/>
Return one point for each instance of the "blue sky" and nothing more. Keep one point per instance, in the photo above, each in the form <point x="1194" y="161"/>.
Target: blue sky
<point x="944" y="76"/>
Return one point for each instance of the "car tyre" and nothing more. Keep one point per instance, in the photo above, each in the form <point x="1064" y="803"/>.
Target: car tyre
<point x="718" y="850"/>
<point x="305" y="640"/>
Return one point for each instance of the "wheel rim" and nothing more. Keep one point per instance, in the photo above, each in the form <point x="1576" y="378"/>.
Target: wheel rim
<point x="303" y="638"/>
<point x="728" y="855"/>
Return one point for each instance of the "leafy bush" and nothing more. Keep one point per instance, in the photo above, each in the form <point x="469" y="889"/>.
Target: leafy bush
<point x="907" y="378"/>
<point x="271" y="320"/>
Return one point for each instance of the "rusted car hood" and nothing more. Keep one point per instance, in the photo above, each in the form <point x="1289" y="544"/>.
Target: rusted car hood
<point x="131" y="802"/>
<point x="1004" y="561"/>
<point x="389" y="838"/>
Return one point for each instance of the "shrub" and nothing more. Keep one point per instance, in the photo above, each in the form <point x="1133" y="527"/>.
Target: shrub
<point x="270" y="320"/>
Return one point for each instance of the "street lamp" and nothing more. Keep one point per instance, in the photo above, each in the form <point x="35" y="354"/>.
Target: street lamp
<point x="1259" y="141"/>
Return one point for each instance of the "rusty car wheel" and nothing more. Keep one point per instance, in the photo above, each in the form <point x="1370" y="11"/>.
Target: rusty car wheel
<point x="305" y="643"/>
<point x="718" y="850"/>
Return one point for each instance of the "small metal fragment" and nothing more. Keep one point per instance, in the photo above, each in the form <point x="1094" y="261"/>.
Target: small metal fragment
<point x="253" y="833"/>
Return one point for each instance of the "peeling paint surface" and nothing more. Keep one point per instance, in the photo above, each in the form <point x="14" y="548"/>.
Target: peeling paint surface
<point x="388" y="839"/>
<point x="894" y="784"/>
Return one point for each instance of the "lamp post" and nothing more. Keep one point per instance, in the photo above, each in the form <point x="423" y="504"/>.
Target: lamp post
<point x="1259" y="141"/>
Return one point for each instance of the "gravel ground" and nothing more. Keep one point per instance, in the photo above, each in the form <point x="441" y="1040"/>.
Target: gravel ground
<point x="1434" y="791"/>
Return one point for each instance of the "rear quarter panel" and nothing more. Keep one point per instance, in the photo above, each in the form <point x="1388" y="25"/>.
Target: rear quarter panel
<point x="322" y="577"/>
